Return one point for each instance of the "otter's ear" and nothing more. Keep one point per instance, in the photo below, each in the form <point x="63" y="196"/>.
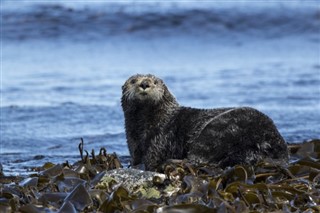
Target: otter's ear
<point x="163" y="84"/>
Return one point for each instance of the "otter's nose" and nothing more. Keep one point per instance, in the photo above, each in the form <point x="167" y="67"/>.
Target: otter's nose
<point x="144" y="84"/>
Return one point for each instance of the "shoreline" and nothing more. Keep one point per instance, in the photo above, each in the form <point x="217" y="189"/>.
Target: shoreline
<point x="100" y="180"/>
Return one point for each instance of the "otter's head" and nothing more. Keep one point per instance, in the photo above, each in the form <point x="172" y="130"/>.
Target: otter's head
<point x="143" y="88"/>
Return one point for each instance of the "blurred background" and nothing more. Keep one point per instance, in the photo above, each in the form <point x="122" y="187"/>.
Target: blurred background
<point x="63" y="64"/>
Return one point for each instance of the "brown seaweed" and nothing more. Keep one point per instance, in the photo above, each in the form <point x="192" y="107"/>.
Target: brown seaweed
<point x="265" y="187"/>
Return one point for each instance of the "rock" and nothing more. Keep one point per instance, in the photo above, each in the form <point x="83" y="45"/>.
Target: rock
<point x="134" y="180"/>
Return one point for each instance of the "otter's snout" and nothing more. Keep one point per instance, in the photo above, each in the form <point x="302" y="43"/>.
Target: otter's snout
<point x="144" y="84"/>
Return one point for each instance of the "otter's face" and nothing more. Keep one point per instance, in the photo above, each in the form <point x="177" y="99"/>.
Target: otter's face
<point x="143" y="88"/>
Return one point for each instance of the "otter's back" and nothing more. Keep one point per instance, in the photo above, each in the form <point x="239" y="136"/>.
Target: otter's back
<point x="237" y="136"/>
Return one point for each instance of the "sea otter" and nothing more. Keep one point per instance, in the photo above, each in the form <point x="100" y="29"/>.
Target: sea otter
<point x="158" y="129"/>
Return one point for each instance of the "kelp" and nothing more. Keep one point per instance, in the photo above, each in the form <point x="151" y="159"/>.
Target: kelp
<point x="268" y="186"/>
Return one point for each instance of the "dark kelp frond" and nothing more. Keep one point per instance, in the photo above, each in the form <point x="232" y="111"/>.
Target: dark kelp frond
<point x="97" y="183"/>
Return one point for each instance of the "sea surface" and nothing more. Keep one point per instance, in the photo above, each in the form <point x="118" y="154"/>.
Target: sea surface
<point x="63" y="64"/>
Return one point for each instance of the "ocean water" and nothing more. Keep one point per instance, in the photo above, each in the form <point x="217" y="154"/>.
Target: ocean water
<point x="63" y="64"/>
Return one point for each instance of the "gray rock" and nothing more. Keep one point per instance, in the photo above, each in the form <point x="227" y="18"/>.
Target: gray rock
<point x="134" y="180"/>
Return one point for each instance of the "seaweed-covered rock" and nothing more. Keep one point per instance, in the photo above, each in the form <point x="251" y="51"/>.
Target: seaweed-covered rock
<point x="97" y="183"/>
<point x="134" y="180"/>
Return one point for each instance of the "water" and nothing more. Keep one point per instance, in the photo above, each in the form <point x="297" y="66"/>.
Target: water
<point x="63" y="65"/>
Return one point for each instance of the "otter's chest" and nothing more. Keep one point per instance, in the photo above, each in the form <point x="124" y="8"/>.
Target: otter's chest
<point x="151" y="132"/>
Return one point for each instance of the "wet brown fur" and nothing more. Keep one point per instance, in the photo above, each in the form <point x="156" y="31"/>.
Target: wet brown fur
<point x="158" y="129"/>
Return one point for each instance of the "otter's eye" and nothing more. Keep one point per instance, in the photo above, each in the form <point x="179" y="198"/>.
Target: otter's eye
<point x="133" y="81"/>
<point x="156" y="82"/>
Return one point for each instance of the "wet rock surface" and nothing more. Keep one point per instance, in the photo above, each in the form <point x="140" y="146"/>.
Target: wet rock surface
<point x="99" y="183"/>
<point x="134" y="180"/>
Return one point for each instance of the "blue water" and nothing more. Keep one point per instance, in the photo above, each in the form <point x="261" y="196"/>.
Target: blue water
<point x="63" y="65"/>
